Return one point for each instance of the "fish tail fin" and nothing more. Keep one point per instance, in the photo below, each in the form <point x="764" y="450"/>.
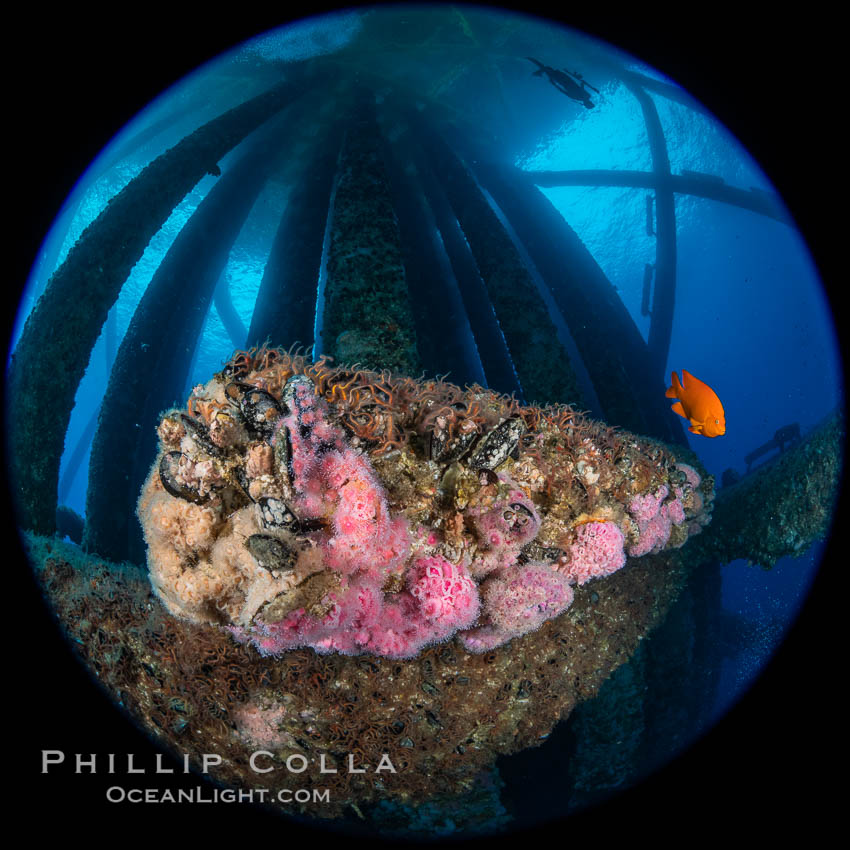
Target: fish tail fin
<point x="673" y="390"/>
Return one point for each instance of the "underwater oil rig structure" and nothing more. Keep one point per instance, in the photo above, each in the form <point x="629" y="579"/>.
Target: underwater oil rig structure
<point x="404" y="247"/>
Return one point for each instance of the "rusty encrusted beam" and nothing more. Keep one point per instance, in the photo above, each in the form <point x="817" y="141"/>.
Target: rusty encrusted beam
<point x="611" y="346"/>
<point x="693" y="183"/>
<point x="285" y="310"/>
<point x="47" y="366"/>
<point x="366" y="312"/>
<point x="154" y="358"/>
<point x="781" y="508"/>
<point x="542" y="362"/>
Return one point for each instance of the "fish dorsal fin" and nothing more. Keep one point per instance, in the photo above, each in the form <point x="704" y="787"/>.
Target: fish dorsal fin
<point x="690" y="380"/>
<point x="675" y="386"/>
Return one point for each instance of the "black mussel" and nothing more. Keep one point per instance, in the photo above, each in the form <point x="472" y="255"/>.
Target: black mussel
<point x="437" y="444"/>
<point x="444" y="448"/>
<point x="260" y="410"/>
<point x="282" y="445"/>
<point x="534" y="551"/>
<point x="496" y="447"/>
<point x="236" y="389"/>
<point x="292" y="385"/>
<point x="457" y="446"/>
<point x="201" y="435"/>
<point x="521" y="515"/>
<point x="271" y="552"/>
<point x="275" y="513"/>
<point x="242" y="478"/>
<point x="488" y="476"/>
<point x="168" y="468"/>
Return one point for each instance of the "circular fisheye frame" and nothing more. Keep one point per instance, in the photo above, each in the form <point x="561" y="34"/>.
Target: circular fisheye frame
<point x="422" y="422"/>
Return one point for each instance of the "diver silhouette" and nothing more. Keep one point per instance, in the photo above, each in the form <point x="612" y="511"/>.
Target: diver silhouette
<point x="570" y="83"/>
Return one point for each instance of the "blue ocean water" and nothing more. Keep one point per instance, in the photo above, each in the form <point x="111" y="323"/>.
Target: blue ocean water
<point x="751" y="318"/>
<point x="773" y="358"/>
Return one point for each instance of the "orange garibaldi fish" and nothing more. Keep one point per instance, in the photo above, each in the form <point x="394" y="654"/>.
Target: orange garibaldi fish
<point x="699" y="404"/>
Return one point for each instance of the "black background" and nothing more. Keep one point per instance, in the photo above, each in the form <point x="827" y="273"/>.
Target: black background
<point x="75" y="78"/>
